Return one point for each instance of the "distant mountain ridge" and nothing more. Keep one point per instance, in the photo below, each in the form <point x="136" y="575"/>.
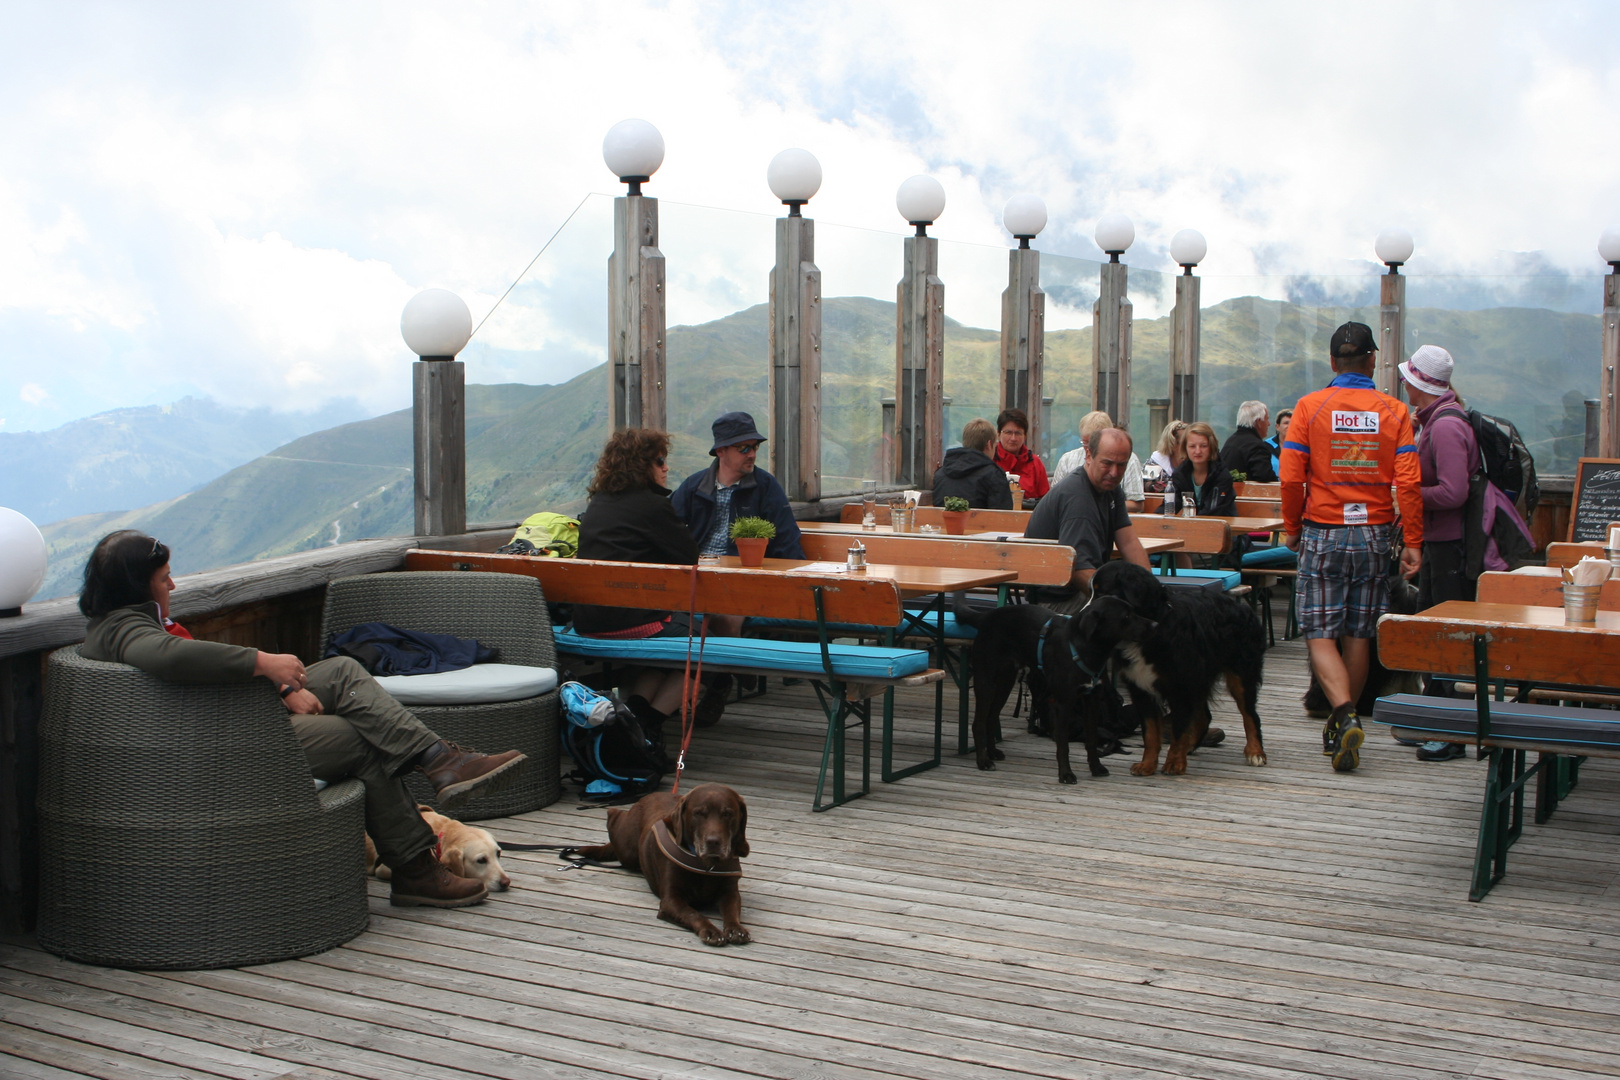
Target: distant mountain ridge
<point x="532" y="448"/>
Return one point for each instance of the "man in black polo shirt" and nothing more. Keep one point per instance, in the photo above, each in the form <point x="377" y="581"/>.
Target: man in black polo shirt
<point x="1086" y="511"/>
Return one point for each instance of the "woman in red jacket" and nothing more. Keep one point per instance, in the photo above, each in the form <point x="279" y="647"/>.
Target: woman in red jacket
<point x="1015" y="457"/>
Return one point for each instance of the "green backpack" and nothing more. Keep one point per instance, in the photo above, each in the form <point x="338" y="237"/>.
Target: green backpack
<point x="545" y="534"/>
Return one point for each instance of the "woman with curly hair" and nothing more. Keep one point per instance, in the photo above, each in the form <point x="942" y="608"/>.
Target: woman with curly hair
<point x="630" y="519"/>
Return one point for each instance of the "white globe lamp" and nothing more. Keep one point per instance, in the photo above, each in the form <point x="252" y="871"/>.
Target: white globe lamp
<point x="795" y="177"/>
<point x="920" y="200"/>
<point x="1024" y="217"/>
<point x="1114" y="234"/>
<point x="1394" y="247"/>
<point x="22" y="562"/>
<point x="436" y="324"/>
<point x="1609" y="246"/>
<point x="1188" y="248"/>
<point x="633" y="150"/>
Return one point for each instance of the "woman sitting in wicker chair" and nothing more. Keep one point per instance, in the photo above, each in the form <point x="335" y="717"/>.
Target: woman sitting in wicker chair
<point x="347" y="724"/>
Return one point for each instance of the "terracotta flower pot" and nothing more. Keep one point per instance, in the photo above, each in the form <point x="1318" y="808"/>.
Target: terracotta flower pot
<point x="751" y="550"/>
<point x="956" y="522"/>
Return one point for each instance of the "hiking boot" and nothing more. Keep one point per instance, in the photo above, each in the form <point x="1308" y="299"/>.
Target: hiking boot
<point x="1213" y="737"/>
<point x="712" y="704"/>
<point x="427" y="882"/>
<point x="1348" y="753"/>
<point x="1330" y="730"/>
<point x="456" y="772"/>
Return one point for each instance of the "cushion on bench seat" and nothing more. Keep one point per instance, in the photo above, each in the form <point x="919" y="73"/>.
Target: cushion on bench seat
<point x="954" y="630"/>
<point x="849" y="661"/>
<point x="1278" y="556"/>
<point x="1531" y="722"/>
<point x="1208" y="579"/>
<point x="481" y="684"/>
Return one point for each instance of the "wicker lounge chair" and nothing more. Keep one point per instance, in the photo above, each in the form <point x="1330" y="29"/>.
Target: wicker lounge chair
<point x="180" y="829"/>
<point x="503" y="611"/>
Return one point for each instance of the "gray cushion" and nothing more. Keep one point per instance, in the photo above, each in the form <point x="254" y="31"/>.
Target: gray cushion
<point x="480" y="684"/>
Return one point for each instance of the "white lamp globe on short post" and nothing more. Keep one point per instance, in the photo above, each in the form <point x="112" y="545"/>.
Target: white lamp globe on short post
<point x="436" y="325"/>
<point x="794" y="177"/>
<point x="633" y="149"/>
<point x="1609" y="373"/>
<point x="1609" y="247"/>
<point x="920" y="200"/>
<point x="1114" y="234"/>
<point x="1394" y="248"/>
<point x="22" y="562"/>
<point x="1024" y="217"/>
<point x="1111" y="322"/>
<point x="1188" y="248"/>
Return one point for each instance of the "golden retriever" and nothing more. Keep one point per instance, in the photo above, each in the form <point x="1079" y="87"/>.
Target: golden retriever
<point x="467" y="850"/>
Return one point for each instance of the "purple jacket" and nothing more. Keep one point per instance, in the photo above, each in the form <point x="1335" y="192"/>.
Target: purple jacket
<point x="1448" y="454"/>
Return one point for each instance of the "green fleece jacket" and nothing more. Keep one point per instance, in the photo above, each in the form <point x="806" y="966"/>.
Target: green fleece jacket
<point x="134" y="635"/>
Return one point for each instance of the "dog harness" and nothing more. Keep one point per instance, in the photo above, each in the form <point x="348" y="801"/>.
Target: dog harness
<point x="1040" y="654"/>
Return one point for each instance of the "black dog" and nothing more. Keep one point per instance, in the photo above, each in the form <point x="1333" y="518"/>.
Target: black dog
<point x="1403" y="600"/>
<point x="1201" y="638"/>
<point x="1064" y="659"/>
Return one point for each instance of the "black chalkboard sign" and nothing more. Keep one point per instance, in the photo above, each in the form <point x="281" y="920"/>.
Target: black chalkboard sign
<point x="1597" y="499"/>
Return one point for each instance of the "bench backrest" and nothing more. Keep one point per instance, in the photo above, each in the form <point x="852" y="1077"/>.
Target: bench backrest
<point x="1266" y="508"/>
<point x="1538" y="589"/>
<point x="1012" y="521"/>
<point x="720" y="590"/>
<point x="1199" y="535"/>
<point x="1563" y="554"/>
<point x="1036" y="564"/>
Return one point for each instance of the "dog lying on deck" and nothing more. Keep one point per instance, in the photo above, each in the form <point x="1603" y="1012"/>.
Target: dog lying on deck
<point x="1065" y="663"/>
<point x="687" y="847"/>
<point x="467" y="850"/>
<point x="1200" y="639"/>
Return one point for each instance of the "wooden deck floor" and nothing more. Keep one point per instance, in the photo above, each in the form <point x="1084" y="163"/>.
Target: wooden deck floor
<point x="1234" y="923"/>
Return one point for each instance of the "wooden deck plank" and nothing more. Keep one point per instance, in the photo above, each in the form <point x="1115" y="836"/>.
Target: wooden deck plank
<point x="1233" y="923"/>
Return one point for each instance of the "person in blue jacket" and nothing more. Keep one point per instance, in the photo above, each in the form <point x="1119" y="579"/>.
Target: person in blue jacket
<point x="732" y="487"/>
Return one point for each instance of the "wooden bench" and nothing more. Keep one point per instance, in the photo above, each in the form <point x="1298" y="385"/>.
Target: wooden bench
<point x="1259" y="508"/>
<point x="1568" y="554"/>
<point x="1560" y="735"/>
<point x="846" y="677"/>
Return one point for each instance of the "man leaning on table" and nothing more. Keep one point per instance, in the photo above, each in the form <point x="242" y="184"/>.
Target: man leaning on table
<point x="1086" y="510"/>
<point x="1347" y="444"/>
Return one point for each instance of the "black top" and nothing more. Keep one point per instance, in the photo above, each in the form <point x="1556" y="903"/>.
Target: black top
<point x="971" y="475"/>
<point x="630" y="526"/>
<point x="1219" y="497"/>
<point x="1077" y="514"/>
<point x="1246" y="452"/>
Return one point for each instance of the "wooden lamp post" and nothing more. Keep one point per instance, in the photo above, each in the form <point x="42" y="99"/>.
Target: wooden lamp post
<point x="1188" y="249"/>
<point x="794" y="177"/>
<point x="1023" y="316"/>
<point x="919" y="390"/>
<point x="633" y="150"/>
<point x="436" y="326"/>
<point x="1111" y="324"/>
<point x="1608" y="380"/>
<point x="1394" y="247"/>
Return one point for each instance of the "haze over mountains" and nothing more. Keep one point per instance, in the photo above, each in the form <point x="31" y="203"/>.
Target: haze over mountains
<point x="532" y="448"/>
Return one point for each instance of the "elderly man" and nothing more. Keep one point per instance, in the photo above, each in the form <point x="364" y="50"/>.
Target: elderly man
<point x="1247" y="451"/>
<point x="1131" y="484"/>
<point x="1086" y="510"/>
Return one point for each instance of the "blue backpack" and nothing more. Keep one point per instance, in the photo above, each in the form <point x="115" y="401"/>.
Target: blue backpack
<point x="613" y="755"/>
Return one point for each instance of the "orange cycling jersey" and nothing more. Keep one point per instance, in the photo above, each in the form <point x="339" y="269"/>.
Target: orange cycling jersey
<point x="1347" y="443"/>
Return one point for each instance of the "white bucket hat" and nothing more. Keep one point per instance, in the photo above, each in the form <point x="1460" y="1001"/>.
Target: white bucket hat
<point x="1429" y="370"/>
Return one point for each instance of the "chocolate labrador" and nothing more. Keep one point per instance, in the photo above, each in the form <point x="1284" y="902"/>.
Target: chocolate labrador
<point x="687" y="847"/>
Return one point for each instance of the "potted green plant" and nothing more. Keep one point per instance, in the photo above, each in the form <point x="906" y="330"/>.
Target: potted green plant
<point x="751" y="534"/>
<point x="956" y="513"/>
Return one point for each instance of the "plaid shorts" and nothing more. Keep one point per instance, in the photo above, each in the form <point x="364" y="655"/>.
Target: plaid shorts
<point x="1343" y="582"/>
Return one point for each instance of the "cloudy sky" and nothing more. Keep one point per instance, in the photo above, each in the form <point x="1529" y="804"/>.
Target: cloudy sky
<point x="237" y="199"/>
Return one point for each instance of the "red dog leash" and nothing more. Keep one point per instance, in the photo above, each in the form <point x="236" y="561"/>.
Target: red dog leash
<point x="689" y="685"/>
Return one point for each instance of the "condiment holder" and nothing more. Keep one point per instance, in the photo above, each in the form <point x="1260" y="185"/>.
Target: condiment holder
<point x="857" y="557"/>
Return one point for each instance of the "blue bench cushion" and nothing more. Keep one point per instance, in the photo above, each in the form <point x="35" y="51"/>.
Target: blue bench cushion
<point x="1227" y="579"/>
<point x="849" y="661"/>
<point x="954" y="630"/>
<point x="1278" y="556"/>
<point x="1530" y="721"/>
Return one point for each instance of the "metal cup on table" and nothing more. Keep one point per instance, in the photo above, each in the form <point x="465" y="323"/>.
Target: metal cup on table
<point x="1581" y="602"/>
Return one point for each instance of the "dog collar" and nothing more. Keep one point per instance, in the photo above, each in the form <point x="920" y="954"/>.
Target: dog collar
<point x="686" y="860"/>
<point x="1040" y="655"/>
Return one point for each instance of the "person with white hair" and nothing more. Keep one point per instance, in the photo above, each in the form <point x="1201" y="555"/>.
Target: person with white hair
<point x="1246" y="450"/>
<point x="1130" y="486"/>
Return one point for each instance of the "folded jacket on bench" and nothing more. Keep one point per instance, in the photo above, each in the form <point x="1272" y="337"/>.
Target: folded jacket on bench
<point x="849" y="661"/>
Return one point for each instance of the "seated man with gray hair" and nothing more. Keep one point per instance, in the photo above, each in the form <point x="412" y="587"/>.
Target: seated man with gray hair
<point x="1247" y="451"/>
<point x="1130" y="486"/>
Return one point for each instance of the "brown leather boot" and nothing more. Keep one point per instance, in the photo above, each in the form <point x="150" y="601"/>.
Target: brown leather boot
<point x="456" y="772"/>
<point x="427" y="882"/>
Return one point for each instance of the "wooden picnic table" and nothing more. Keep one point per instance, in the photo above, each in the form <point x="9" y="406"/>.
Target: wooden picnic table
<point x="1541" y="586"/>
<point x="1527" y="642"/>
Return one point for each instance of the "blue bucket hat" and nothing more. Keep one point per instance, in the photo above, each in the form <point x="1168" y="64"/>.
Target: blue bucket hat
<point x="733" y="428"/>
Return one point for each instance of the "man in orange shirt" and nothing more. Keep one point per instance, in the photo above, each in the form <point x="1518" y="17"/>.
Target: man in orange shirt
<point x="1346" y="445"/>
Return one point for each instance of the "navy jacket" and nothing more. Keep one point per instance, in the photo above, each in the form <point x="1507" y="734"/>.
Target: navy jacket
<point x="757" y="495"/>
<point x="971" y="475"/>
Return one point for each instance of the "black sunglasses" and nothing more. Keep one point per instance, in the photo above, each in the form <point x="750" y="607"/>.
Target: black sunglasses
<point x="658" y="461"/>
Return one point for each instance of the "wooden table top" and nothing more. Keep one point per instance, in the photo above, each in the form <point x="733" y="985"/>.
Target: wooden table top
<point x="1154" y="545"/>
<point x="911" y="580"/>
<point x="1525" y="641"/>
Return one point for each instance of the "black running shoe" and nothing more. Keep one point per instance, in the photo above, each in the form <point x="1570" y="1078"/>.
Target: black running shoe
<point x="1348" y="754"/>
<point x="1330" y="730"/>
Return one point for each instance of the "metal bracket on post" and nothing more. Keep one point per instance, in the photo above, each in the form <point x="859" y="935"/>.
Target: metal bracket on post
<point x="636" y="316"/>
<point x="1023" y="341"/>
<point x="1391" y="330"/>
<point x="439" y="421"/>
<point x="1111" y="345"/>
<point x="920" y="366"/>
<point x="1185" y="325"/>
<point x="795" y="379"/>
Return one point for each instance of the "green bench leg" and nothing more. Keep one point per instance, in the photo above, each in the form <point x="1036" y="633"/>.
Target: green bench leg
<point x="833" y="747"/>
<point x="1501" y="820"/>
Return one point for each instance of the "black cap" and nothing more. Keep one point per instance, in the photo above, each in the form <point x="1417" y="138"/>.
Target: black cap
<point x="1352" y="339"/>
<point x="734" y="428"/>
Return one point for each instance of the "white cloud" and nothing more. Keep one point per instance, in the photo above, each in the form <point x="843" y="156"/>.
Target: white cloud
<point x="33" y="393"/>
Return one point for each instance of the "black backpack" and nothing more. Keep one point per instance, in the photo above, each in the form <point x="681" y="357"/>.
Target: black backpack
<point x="1504" y="458"/>
<point x="615" y="757"/>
